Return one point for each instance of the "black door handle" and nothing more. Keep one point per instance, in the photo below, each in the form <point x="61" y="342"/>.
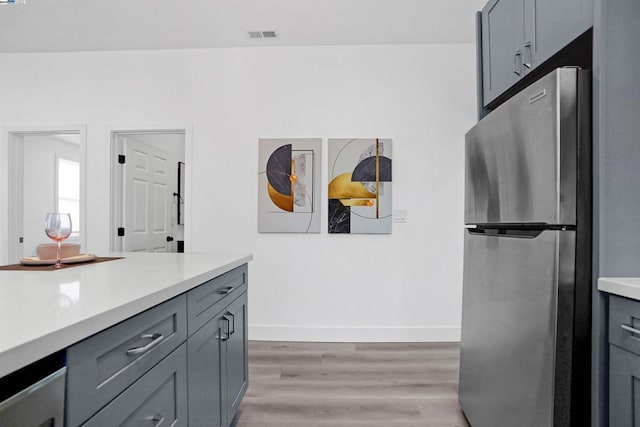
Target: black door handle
<point x="169" y="239"/>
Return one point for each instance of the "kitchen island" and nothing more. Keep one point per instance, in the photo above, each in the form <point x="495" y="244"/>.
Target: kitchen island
<point x="89" y="313"/>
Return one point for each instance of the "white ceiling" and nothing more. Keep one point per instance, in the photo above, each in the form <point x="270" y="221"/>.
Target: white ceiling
<point x="87" y="25"/>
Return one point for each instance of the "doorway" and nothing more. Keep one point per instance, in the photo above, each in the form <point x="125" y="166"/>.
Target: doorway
<point x="148" y="190"/>
<point x="46" y="174"/>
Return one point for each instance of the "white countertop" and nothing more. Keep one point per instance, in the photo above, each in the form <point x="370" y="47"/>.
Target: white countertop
<point x="42" y="312"/>
<point x="624" y="286"/>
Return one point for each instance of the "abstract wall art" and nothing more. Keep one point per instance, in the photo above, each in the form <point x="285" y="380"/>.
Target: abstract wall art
<point x="289" y="185"/>
<point x="360" y="186"/>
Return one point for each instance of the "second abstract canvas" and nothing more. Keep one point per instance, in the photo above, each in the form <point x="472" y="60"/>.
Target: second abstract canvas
<point x="360" y="186"/>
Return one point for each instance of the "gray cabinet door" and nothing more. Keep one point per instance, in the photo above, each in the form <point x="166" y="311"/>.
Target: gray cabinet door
<point x="208" y="299"/>
<point x="104" y="365"/>
<point x="237" y="369"/>
<point x="551" y="24"/>
<point x="204" y="350"/>
<point x="158" y="398"/>
<point x="502" y="41"/>
<point x="624" y="383"/>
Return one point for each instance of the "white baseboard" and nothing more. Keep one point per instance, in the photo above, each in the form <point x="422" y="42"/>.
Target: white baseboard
<point x="354" y="334"/>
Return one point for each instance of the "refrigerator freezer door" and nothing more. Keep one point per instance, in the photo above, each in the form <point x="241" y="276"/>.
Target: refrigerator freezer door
<point x="517" y="300"/>
<point x="521" y="158"/>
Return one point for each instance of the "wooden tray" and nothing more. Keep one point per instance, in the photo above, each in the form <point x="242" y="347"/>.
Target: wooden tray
<point x="34" y="260"/>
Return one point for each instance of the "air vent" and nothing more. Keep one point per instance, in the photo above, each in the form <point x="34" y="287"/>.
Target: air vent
<point x="271" y="34"/>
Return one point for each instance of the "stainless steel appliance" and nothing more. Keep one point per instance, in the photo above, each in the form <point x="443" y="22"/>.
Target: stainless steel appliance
<point x="525" y="351"/>
<point x="39" y="405"/>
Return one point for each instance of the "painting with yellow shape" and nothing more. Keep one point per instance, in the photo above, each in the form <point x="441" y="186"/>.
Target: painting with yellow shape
<point x="359" y="191"/>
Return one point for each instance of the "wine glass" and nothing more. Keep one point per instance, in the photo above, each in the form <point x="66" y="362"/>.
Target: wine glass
<point x="58" y="227"/>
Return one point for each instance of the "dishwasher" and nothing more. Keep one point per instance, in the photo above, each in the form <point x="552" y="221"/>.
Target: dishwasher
<point x="39" y="404"/>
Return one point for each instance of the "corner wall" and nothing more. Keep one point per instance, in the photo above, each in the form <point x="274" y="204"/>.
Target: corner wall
<point x="401" y="287"/>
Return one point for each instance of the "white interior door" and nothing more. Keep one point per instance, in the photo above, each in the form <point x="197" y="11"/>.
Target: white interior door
<point x="147" y="197"/>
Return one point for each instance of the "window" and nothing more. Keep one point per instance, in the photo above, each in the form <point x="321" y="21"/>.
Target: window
<point x="69" y="192"/>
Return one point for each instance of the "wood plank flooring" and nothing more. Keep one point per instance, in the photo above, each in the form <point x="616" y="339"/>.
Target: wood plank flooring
<point x="351" y="384"/>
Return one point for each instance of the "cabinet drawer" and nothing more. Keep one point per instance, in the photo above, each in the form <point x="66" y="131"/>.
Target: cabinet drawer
<point x="623" y="314"/>
<point x="104" y="365"/>
<point x="158" y="398"/>
<point x="208" y="299"/>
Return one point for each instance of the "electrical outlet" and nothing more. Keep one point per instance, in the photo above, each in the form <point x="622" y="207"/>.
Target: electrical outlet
<point x="400" y="215"/>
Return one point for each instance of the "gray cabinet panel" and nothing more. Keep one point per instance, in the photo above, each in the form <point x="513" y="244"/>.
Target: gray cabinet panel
<point x="624" y="313"/>
<point x="104" y="365"/>
<point x="218" y="366"/>
<point x="236" y="356"/>
<point x="552" y="24"/>
<point x="519" y="35"/>
<point x="502" y="41"/>
<point x="204" y="350"/>
<point x="158" y="398"/>
<point x="624" y="381"/>
<point x="205" y="301"/>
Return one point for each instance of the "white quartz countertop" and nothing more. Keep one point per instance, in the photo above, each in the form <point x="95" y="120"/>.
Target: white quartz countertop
<point x="42" y="312"/>
<point x="623" y="286"/>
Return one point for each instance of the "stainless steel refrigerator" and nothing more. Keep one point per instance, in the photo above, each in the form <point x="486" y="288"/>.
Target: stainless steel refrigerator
<point x="525" y="347"/>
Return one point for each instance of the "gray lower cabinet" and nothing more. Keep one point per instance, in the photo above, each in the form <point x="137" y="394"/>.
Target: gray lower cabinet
<point x="158" y="398"/>
<point x="236" y="366"/>
<point x="205" y="349"/>
<point x="181" y="363"/>
<point x="104" y="365"/>
<point x="218" y="366"/>
<point x="519" y="35"/>
<point x="624" y="383"/>
<point x="624" y="362"/>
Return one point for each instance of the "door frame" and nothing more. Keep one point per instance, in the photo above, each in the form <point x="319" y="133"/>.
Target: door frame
<point x="115" y="216"/>
<point x="8" y="156"/>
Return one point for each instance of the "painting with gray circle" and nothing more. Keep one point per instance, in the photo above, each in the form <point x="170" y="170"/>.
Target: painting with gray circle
<point x="289" y="185"/>
<point x="360" y="181"/>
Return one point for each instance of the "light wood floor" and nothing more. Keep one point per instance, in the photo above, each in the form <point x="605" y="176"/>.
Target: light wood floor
<point x="349" y="384"/>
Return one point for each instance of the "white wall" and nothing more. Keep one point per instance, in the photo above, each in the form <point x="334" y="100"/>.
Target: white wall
<point x="404" y="286"/>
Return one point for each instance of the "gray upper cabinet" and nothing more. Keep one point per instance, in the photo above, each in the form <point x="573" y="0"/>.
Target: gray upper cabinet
<point x="502" y="41"/>
<point x="551" y="24"/>
<point x="519" y="35"/>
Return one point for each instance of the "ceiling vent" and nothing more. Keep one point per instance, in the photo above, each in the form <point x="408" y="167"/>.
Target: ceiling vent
<point x="262" y="34"/>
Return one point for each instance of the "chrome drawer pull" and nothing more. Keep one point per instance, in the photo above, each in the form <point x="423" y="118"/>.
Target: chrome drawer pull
<point x="630" y="329"/>
<point x="156" y="339"/>
<point x="158" y="418"/>
<point x="226" y="290"/>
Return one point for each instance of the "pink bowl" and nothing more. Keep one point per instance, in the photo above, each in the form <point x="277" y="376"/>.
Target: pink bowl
<point x="48" y="250"/>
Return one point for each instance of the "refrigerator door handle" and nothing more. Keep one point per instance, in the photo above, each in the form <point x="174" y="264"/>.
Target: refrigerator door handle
<point x="524" y="233"/>
<point x="630" y="329"/>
